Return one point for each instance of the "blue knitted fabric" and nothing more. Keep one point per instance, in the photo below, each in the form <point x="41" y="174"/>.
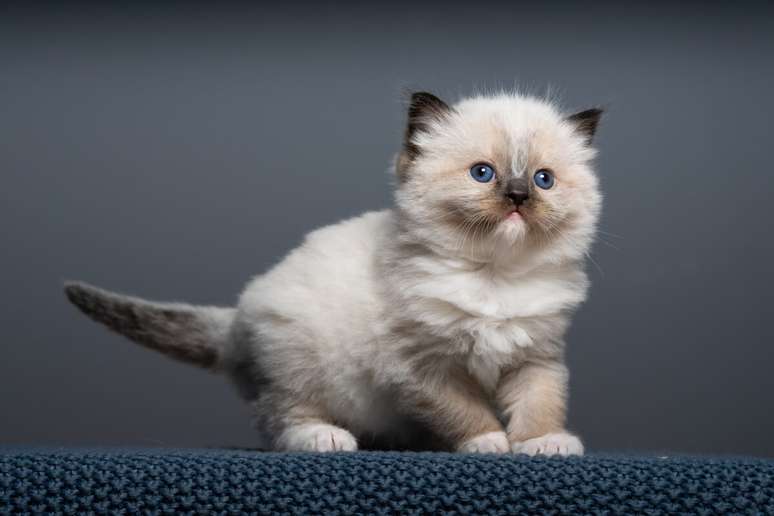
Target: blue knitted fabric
<point x="236" y="482"/>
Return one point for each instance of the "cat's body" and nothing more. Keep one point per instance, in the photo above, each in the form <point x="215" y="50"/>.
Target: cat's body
<point x="437" y="324"/>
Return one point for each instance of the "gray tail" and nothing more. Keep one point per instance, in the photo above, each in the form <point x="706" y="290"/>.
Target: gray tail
<point x="193" y="334"/>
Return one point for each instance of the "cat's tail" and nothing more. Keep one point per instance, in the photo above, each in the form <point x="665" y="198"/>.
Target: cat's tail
<point x="193" y="334"/>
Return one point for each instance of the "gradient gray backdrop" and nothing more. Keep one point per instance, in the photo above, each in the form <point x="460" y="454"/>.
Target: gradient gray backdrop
<point x="174" y="153"/>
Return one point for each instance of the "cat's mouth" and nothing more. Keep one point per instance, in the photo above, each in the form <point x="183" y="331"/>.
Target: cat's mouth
<point x="514" y="215"/>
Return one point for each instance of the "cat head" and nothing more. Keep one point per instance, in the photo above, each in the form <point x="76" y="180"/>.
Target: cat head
<point x="492" y="177"/>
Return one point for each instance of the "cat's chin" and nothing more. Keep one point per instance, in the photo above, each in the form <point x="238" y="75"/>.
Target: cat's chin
<point x="513" y="229"/>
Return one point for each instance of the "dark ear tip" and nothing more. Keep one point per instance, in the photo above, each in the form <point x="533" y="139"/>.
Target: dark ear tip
<point x="587" y="114"/>
<point x="586" y="121"/>
<point x="420" y="95"/>
<point x="596" y="111"/>
<point x="423" y="107"/>
<point x="422" y="99"/>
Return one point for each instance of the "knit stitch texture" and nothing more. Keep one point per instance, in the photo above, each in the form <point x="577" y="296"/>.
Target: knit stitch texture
<point x="127" y="481"/>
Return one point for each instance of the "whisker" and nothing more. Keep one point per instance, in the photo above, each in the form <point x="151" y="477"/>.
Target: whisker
<point x="609" y="234"/>
<point x="608" y="244"/>
<point x="558" y="232"/>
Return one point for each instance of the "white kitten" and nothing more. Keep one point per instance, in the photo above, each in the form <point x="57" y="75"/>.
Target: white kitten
<point x="435" y="325"/>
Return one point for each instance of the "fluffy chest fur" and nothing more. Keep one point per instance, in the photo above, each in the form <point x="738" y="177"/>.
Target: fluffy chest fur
<point x="488" y="318"/>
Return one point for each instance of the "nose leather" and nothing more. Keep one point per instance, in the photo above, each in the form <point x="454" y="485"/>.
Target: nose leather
<point x="517" y="190"/>
<point x="518" y="198"/>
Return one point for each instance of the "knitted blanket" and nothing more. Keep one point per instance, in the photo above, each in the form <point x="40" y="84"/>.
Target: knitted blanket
<point x="121" y="481"/>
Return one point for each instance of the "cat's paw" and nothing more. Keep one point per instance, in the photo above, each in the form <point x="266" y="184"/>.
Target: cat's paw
<point x="491" y="442"/>
<point x="317" y="437"/>
<point x="560" y="443"/>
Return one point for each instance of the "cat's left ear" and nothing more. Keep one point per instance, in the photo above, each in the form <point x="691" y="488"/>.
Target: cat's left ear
<point x="586" y="122"/>
<point x="423" y="108"/>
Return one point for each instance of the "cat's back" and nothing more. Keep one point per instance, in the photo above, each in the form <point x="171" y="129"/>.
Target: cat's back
<point x="329" y="282"/>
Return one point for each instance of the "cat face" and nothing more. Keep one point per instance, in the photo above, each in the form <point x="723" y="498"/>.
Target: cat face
<point x="493" y="176"/>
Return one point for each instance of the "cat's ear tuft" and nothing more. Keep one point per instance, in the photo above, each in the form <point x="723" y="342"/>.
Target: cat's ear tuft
<point x="423" y="108"/>
<point x="586" y="122"/>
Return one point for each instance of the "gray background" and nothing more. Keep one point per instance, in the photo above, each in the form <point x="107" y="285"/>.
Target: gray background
<point x="174" y="153"/>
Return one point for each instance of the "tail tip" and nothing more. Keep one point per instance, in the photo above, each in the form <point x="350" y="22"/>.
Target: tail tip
<point x="77" y="292"/>
<point x="72" y="287"/>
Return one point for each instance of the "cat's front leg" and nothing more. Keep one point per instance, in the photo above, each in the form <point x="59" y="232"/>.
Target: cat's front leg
<point x="454" y="406"/>
<point x="533" y="398"/>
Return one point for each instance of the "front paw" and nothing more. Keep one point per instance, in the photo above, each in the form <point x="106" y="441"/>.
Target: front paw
<point x="317" y="437"/>
<point x="491" y="442"/>
<point x="560" y="443"/>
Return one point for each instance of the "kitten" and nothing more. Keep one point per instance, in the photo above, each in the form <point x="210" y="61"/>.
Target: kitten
<point x="437" y="324"/>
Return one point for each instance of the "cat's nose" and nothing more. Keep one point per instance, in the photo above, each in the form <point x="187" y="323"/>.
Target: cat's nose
<point x="518" y="198"/>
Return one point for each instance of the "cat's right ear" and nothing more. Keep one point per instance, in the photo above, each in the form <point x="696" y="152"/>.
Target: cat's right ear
<point x="423" y="108"/>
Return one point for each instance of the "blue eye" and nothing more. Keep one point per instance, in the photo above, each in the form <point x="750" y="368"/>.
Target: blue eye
<point x="544" y="179"/>
<point x="482" y="173"/>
